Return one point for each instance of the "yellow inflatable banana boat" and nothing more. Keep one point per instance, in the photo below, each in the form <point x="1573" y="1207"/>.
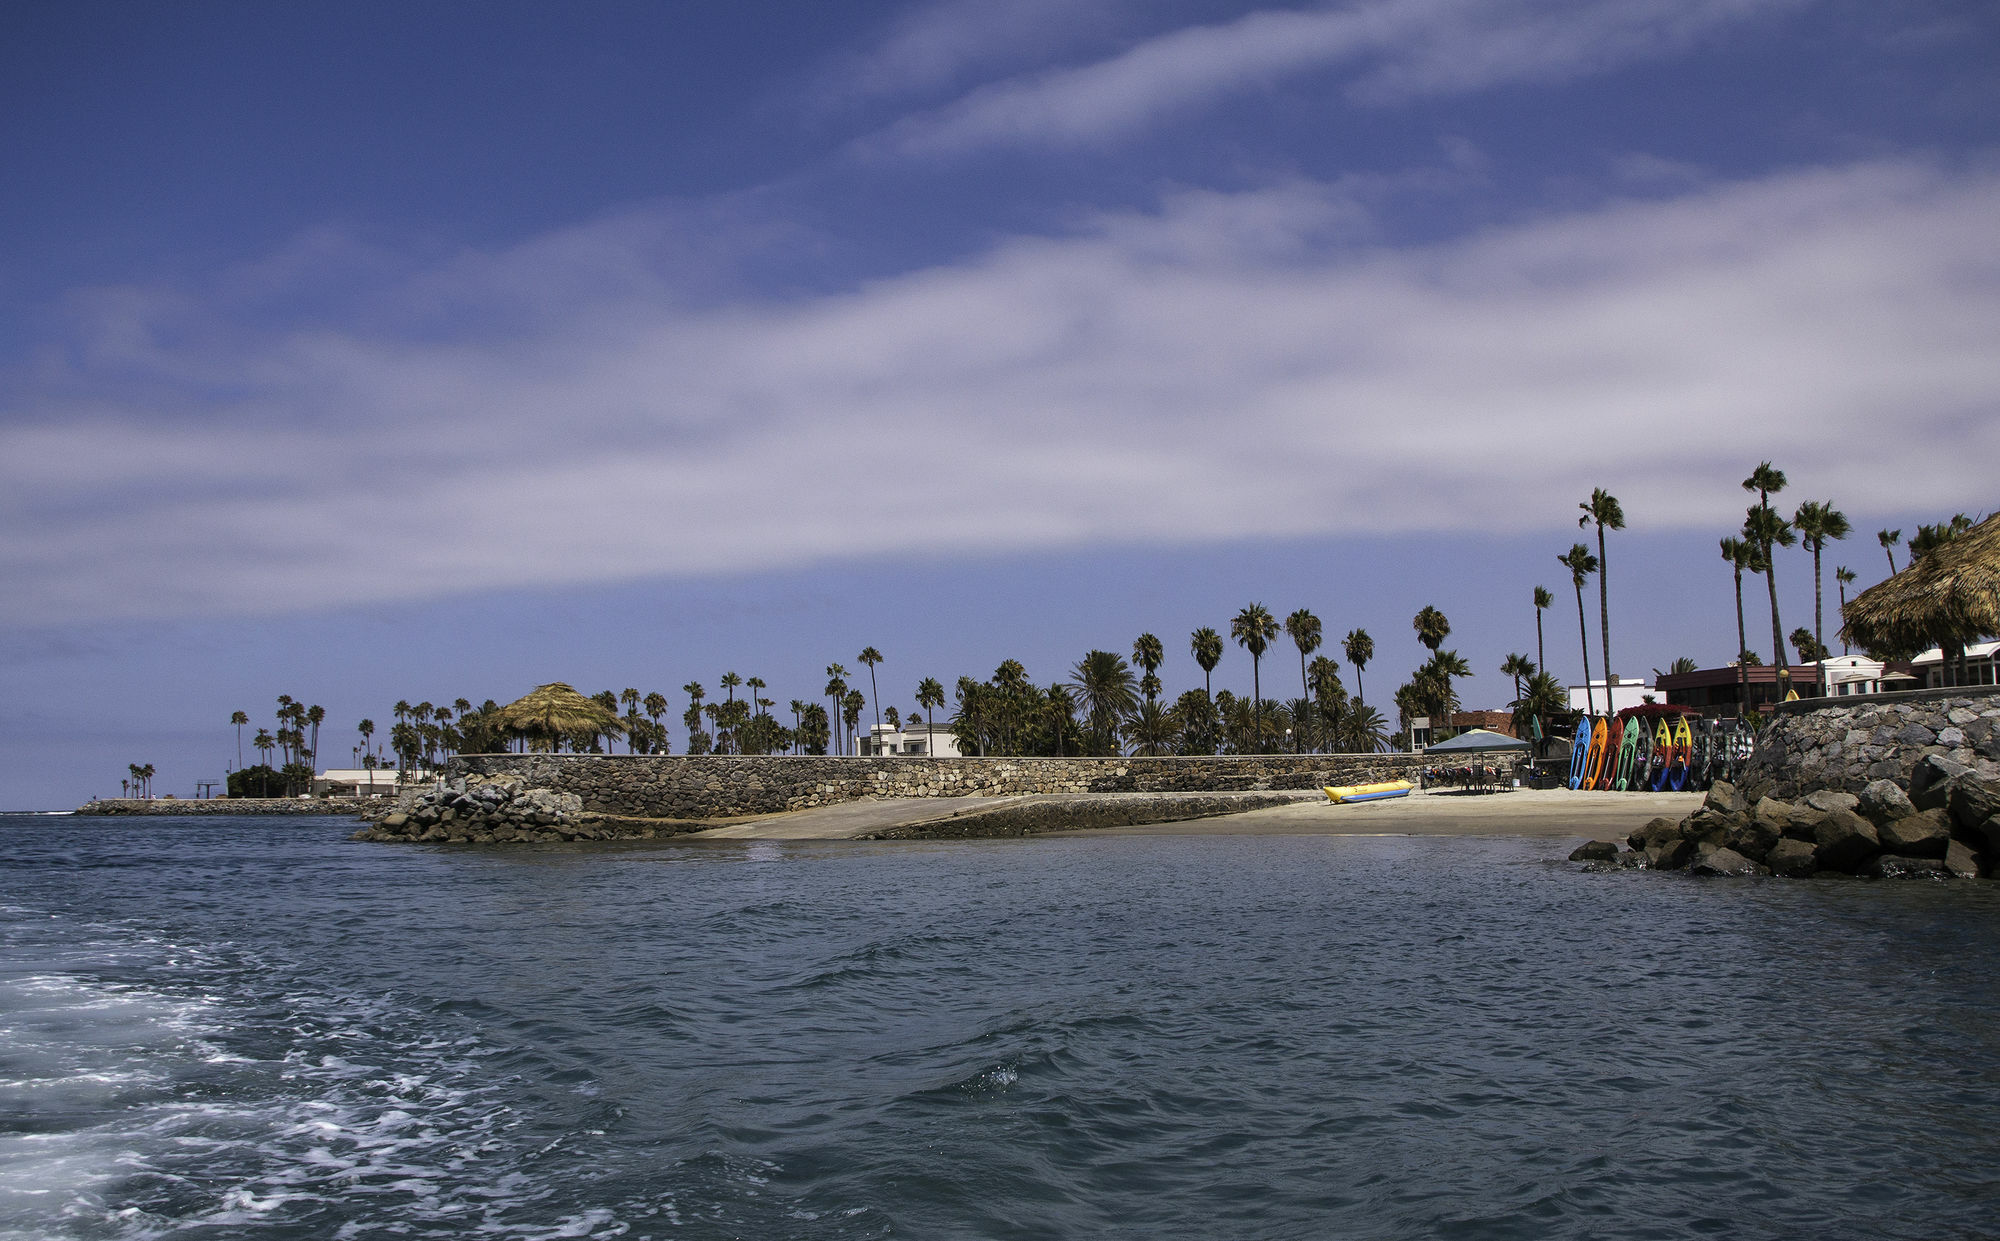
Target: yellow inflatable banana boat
<point x="1368" y="792"/>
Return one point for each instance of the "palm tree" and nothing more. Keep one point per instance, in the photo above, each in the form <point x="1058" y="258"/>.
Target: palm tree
<point x="1843" y="577"/>
<point x="1441" y="668"/>
<point x="1206" y="646"/>
<point x="798" y="723"/>
<point x="239" y="719"/>
<point x="1816" y="523"/>
<point x="1767" y="529"/>
<point x="1543" y="599"/>
<point x="1107" y="693"/>
<point x="1253" y="629"/>
<point x="366" y="728"/>
<point x="656" y="706"/>
<point x="851" y="708"/>
<point x="1581" y="564"/>
<point x="1328" y="697"/>
<point x="1741" y="555"/>
<point x="263" y="743"/>
<point x="1359" y="649"/>
<point x="1602" y="508"/>
<point x="930" y="695"/>
<point x="1517" y="666"/>
<point x="1432" y="627"/>
<point x="836" y="690"/>
<point x="1149" y="655"/>
<point x="1888" y="539"/>
<point x="871" y="657"/>
<point x="1304" y="630"/>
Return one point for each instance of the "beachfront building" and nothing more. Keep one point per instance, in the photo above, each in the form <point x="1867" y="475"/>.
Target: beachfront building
<point x="909" y="739"/>
<point x="1847" y="675"/>
<point x="1501" y="722"/>
<point x="1979" y="656"/>
<point x="1719" y="692"/>
<point x="1619" y="692"/>
<point x="364" y="782"/>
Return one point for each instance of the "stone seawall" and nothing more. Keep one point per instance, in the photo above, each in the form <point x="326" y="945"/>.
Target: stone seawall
<point x="1841" y="744"/>
<point x="722" y="786"/>
<point x="234" y="805"/>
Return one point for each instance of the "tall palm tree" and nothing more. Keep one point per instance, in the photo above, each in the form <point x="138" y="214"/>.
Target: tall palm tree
<point x="1441" y="668"/>
<point x="1602" y="508"/>
<point x="1843" y="577"/>
<point x="1253" y="629"/>
<point x="1432" y="627"/>
<point x="1581" y="564"/>
<point x="1105" y="688"/>
<point x="870" y="656"/>
<point x="1303" y="628"/>
<point x="1149" y="655"/>
<point x="1359" y="649"/>
<point x="1326" y="696"/>
<point x="755" y="684"/>
<point x="836" y="689"/>
<point x="1741" y="556"/>
<point x="366" y="728"/>
<point x="1543" y="600"/>
<point x="798" y="723"/>
<point x="1767" y="529"/>
<point x="1888" y="539"/>
<point x="1517" y="666"/>
<point x="656" y="706"/>
<point x="1206" y="646"/>
<point x="239" y="719"/>
<point x="930" y="695"/>
<point x="1817" y="522"/>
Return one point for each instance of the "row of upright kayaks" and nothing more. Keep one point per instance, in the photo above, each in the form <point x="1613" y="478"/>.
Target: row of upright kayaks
<point x="1658" y="749"/>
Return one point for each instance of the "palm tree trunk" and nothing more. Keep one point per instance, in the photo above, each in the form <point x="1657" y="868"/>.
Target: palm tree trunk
<point x="1604" y="617"/>
<point x="1819" y="592"/>
<point x="1892" y="559"/>
<point x="1583" y="632"/>
<point x="1777" y="629"/>
<point x="1257" y="695"/>
<point x="1742" y="665"/>
<point x="1541" y="656"/>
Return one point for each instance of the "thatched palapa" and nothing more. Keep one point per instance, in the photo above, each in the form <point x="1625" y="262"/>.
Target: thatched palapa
<point x="555" y="711"/>
<point x="1948" y="598"/>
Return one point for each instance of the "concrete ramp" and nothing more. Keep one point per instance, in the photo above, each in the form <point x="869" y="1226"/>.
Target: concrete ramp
<point x="927" y="818"/>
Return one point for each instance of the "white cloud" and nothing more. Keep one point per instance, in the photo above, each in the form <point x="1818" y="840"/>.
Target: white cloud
<point x="1392" y="50"/>
<point x="1228" y="366"/>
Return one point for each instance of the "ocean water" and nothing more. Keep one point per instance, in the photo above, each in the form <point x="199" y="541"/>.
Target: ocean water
<point x="257" y="1028"/>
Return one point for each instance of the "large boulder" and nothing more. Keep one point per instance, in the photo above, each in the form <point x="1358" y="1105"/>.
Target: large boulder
<point x="1973" y="800"/>
<point x="1793" y="859"/>
<point x="1844" y="840"/>
<point x="1724" y="862"/>
<point x="1596" y="851"/>
<point x="1930" y="781"/>
<point x="1960" y="861"/>
<point x="1670" y="855"/>
<point x="1884" y="801"/>
<point x="1724" y="798"/>
<point x="1826" y="801"/>
<point x="1892" y="866"/>
<point x="1921" y="835"/>
<point x="1710" y="827"/>
<point x="1776" y="815"/>
<point x="1753" y="838"/>
<point x="1657" y="831"/>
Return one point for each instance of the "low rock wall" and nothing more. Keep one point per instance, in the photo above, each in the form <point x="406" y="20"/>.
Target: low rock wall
<point x="721" y="786"/>
<point x="220" y="805"/>
<point x="1842" y="744"/>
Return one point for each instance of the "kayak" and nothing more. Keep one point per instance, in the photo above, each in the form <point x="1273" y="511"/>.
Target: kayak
<point x="1368" y="792"/>
<point x="1579" y="752"/>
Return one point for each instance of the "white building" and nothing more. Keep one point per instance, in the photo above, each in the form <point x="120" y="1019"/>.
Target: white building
<point x="1847" y="675"/>
<point x="910" y="738"/>
<point x="1979" y="658"/>
<point x="365" y="782"/>
<point x="1620" y="693"/>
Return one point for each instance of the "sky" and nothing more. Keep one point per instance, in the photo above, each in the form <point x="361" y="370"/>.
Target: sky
<point x="367" y="351"/>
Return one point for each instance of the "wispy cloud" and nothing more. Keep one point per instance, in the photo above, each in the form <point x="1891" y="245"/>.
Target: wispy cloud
<point x="940" y="45"/>
<point x="1389" y="49"/>
<point x="1230" y="365"/>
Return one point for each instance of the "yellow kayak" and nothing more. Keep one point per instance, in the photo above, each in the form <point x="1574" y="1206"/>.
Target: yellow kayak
<point x="1368" y="792"/>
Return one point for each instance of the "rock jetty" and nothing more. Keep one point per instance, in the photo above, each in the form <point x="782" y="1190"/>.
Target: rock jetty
<point x="485" y="810"/>
<point x="1946" y="826"/>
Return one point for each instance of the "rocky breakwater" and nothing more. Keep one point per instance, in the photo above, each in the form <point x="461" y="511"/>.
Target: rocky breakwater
<point x="1843" y="744"/>
<point x="1946" y="826"/>
<point x="496" y="810"/>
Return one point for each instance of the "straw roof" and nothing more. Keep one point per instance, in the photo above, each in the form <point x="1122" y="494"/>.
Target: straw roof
<point x="1949" y="597"/>
<point x="555" y="710"/>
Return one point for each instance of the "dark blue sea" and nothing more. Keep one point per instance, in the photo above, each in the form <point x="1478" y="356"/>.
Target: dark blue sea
<point x="230" y="1028"/>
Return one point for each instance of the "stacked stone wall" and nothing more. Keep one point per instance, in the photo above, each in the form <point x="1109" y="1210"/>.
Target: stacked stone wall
<point x="724" y="786"/>
<point x="1842" y="744"/>
<point x="218" y="805"/>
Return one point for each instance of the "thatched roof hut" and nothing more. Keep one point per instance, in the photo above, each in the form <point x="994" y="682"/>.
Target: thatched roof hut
<point x="555" y="711"/>
<point x="1949" y="597"/>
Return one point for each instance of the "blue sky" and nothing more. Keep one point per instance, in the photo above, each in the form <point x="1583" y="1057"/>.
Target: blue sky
<point x="364" y="352"/>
